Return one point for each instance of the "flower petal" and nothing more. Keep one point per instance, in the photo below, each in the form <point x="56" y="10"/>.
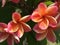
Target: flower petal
<point x="37" y="29"/>
<point x="26" y="27"/>
<point x="15" y="1"/>
<point x="44" y="24"/>
<point x="51" y="35"/>
<point x="16" y="38"/>
<point x="41" y="36"/>
<point x="25" y="18"/>
<point x="36" y="17"/>
<point x="2" y="26"/>
<point x="12" y="27"/>
<point x="3" y="36"/>
<point x="20" y="32"/>
<point x="10" y="40"/>
<point x="52" y="21"/>
<point x="3" y="3"/>
<point x="41" y="8"/>
<point x="16" y="17"/>
<point x="52" y="10"/>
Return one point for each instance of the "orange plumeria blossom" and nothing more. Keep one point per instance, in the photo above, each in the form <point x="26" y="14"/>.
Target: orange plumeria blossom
<point x="18" y="24"/>
<point x="43" y="16"/>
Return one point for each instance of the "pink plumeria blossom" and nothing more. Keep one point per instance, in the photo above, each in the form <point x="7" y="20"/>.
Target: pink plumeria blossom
<point x="18" y="24"/>
<point x="42" y="34"/>
<point x="44" y="17"/>
<point x="7" y="36"/>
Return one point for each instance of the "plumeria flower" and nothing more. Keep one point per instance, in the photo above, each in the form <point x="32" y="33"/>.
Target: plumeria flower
<point x="11" y="38"/>
<point x="48" y="34"/>
<point x="18" y="24"/>
<point x="43" y="16"/>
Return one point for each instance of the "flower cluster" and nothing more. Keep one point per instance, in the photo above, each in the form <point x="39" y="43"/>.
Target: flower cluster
<point x="14" y="29"/>
<point x="46" y="20"/>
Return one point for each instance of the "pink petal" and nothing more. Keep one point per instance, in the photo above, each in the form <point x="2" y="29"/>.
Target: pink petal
<point x="2" y="26"/>
<point x="52" y="10"/>
<point x="52" y="21"/>
<point x="16" y="17"/>
<point x="10" y="40"/>
<point x="41" y="8"/>
<point x="16" y="38"/>
<point x="58" y="18"/>
<point x="3" y="3"/>
<point x="51" y="35"/>
<point x="20" y="32"/>
<point x="44" y="24"/>
<point x="54" y="4"/>
<point x="37" y="29"/>
<point x="41" y="36"/>
<point x="26" y="27"/>
<point x="25" y="18"/>
<point x="3" y="36"/>
<point x="36" y="17"/>
<point x="15" y="1"/>
<point x="12" y="27"/>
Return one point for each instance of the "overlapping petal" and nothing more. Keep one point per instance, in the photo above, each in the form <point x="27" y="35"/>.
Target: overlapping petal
<point x="16" y="17"/>
<point x="41" y="36"/>
<point x="16" y="38"/>
<point x="36" y="17"/>
<point x="51" y="10"/>
<point x="52" y="21"/>
<point x="44" y="24"/>
<point x="20" y="32"/>
<point x="3" y="36"/>
<point x="37" y="29"/>
<point x="10" y="40"/>
<point x="51" y="35"/>
<point x="2" y="26"/>
<point x="26" y="27"/>
<point x="12" y="27"/>
<point x="42" y="8"/>
<point x="25" y="18"/>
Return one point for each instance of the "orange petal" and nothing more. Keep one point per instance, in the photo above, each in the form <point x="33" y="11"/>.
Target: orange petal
<point x="16" y="16"/>
<point x="3" y="3"/>
<point x="52" y="10"/>
<point x="37" y="29"/>
<point x="51" y="35"/>
<point x="52" y="21"/>
<point x="44" y="24"/>
<point x="25" y="18"/>
<point x="12" y="27"/>
<point x="10" y="40"/>
<point x="36" y="17"/>
<point x="2" y="26"/>
<point x="26" y="27"/>
<point x="41" y="8"/>
<point x="3" y="36"/>
<point x="41" y="36"/>
<point x="20" y="32"/>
